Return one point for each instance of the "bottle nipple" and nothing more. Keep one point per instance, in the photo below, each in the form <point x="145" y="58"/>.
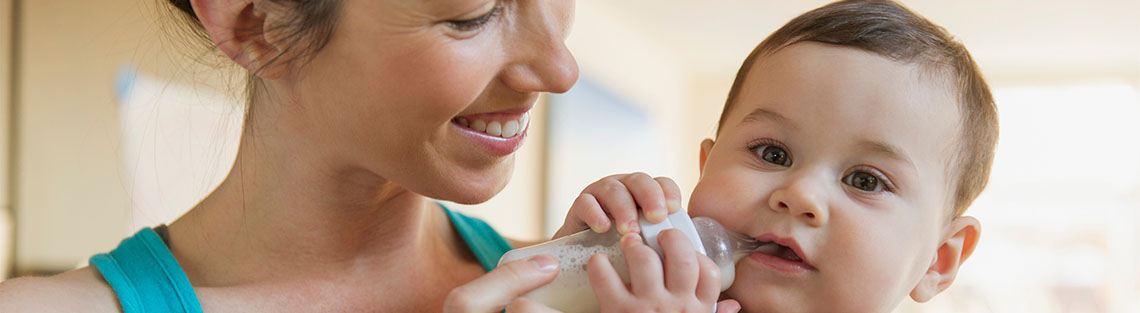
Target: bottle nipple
<point x="726" y="247"/>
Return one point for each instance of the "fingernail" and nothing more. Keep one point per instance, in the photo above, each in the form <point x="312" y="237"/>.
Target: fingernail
<point x="623" y="228"/>
<point x="633" y="227"/>
<point x="603" y="226"/>
<point x="673" y="205"/>
<point x="629" y="239"/>
<point x="544" y="263"/>
<point x="655" y="216"/>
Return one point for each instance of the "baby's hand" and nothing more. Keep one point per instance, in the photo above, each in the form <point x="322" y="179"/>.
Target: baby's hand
<point x="689" y="281"/>
<point x="620" y="196"/>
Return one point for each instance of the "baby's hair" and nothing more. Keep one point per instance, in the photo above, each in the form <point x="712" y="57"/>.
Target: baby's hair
<point x="891" y="30"/>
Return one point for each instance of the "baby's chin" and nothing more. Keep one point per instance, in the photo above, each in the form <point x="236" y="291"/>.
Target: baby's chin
<point x="756" y="306"/>
<point x="807" y="301"/>
<point x="767" y="298"/>
<point x="764" y="302"/>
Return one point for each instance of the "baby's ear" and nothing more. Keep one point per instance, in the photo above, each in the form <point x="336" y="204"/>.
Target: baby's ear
<point x="958" y="245"/>
<point x="706" y="147"/>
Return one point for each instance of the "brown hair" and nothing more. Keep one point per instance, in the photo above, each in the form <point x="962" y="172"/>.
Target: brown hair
<point x="893" y="31"/>
<point x="305" y="35"/>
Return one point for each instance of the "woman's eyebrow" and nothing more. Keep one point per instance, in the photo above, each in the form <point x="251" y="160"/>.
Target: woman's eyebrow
<point x="762" y="114"/>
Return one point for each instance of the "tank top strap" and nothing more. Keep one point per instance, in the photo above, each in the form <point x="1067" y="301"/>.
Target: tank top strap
<point x="487" y="245"/>
<point x="146" y="277"/>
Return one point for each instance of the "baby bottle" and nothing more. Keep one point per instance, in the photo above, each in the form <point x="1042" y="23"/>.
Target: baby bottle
<point x="571" y="292"/>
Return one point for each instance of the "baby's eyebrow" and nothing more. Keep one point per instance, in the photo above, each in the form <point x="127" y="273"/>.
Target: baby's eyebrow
<point x="761" y="114"/>
<point x="885" y="149"/>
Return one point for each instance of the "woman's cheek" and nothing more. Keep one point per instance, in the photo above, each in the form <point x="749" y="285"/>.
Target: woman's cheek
<point x="451" y="83"/>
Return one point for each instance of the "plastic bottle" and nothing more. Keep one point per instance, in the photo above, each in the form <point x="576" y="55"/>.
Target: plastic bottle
<point x="571" y="291"/>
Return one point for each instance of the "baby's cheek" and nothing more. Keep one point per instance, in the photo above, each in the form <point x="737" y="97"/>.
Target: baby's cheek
<point x="875" y="271"/>
<point x="709" y="199"/>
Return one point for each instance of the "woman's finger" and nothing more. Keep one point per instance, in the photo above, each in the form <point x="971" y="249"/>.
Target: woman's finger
<point x="681" y="265"/>
<point x="524" y="305"/>
<point x="493" y="291"/>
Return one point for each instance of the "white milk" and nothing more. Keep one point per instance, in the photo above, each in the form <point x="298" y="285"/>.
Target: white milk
<point x="571" y="291"/>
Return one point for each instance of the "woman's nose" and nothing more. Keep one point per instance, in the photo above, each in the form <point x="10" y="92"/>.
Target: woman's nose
<point x="540" y="60"/>
<point x="551" y="69"/>
<point x="802" y="201"/>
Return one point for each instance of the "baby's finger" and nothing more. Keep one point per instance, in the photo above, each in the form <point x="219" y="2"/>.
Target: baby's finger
<point x="728" y="306"/>
<point x="648" y="194"/>
<point x="672" y="193"/>
<point x="588" y="210"/>
<point x="681" y="266"/>
<point x="616" y="200"/>
<point x="604" y="280"/>
<point x="644" y="265"/>
<point x="708" y="285"/>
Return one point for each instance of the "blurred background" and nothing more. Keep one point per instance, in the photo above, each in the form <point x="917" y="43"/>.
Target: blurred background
<point x="109" y="123"/>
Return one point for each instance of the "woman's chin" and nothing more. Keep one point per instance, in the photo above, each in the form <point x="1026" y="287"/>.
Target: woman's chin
<point x="475" y="191"/>
<point x="473" y="196"/>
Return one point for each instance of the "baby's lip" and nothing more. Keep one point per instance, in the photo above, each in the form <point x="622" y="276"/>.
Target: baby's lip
<point x="789" y="242"/>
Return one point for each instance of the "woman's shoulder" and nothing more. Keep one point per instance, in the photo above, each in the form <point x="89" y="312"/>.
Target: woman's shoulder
<point x="81" y="290"/>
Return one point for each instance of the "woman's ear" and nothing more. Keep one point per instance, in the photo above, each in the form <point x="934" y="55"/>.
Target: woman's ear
<point x="955" y="249"/>
<point x="706" y="147"/>
<point x="245" y="30"/>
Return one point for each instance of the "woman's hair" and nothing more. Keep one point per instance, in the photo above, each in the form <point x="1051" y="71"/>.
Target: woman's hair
<point x="306" y="33"/>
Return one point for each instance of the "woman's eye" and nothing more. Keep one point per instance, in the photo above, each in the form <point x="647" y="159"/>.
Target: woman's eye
<point x="475" y="23"/>
<point x="864" y="181"/>
<point x="773" y="154"/>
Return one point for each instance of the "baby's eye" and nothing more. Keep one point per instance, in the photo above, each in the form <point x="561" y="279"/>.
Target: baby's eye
<point x="864" y="181"/>
<point x="773" y="154"/>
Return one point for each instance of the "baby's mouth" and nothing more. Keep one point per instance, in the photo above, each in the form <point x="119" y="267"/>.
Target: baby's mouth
<point x="779" y="251"/>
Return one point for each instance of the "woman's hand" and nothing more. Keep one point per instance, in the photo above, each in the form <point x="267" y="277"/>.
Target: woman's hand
<point x="619" y="196"/>
<point x="686" y="282"/>
<point x="503" y="287"/>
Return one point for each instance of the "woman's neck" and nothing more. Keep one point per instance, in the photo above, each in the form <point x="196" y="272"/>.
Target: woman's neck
<point x="284" y="209"/>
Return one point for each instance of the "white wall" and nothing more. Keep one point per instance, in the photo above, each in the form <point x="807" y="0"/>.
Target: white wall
<point x="618" y="59"/>
<point x="71" y="199"/>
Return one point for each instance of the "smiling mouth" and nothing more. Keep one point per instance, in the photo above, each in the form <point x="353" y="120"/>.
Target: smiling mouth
<point x="505" y="128"/>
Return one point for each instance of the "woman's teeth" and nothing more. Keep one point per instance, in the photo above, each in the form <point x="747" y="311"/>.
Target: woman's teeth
<point x="506" y="129"/>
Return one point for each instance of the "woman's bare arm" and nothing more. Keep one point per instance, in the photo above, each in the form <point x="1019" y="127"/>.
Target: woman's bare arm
<point x="81" y="290"/>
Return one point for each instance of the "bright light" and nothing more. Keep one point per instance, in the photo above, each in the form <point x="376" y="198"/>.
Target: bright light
<point x="1060" y="213"/>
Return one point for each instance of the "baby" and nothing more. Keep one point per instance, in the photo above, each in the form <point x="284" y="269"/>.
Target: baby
<point x="853" y="138"/>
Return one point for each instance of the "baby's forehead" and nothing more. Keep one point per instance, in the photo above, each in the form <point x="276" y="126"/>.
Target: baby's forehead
<point x="848" y="97"/>
<point x="830" y="58"/>
<point x="861" y="84"/>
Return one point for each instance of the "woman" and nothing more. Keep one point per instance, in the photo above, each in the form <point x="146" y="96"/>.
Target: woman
<point x="359" y="112"/>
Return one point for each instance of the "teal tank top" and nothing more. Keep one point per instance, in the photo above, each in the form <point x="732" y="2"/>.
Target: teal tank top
<point x="147" y="278"/>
